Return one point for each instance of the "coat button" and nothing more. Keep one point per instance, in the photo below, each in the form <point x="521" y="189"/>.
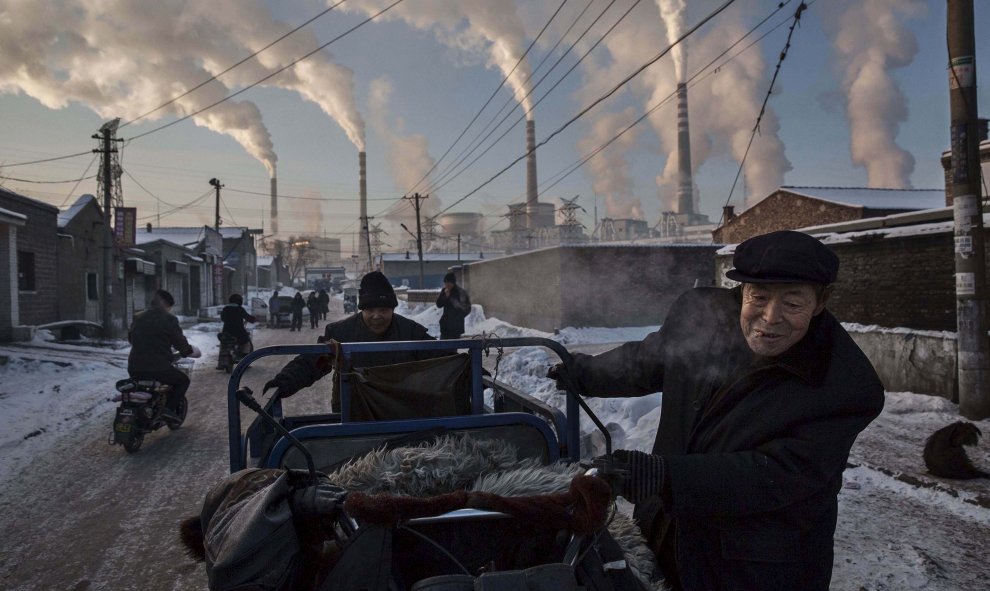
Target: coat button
<point x="696" y="405"/>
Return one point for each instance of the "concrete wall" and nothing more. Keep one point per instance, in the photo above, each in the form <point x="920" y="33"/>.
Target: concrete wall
<point x="613" y="285"/>
<point x="911" y="361"/>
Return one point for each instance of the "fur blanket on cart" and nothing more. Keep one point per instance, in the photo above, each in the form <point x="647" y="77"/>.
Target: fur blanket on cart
<point x="450" y="464"/>
<point x="489" y="466"/>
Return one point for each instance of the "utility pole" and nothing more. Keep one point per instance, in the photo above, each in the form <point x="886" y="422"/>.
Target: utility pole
<point x="215" y="182"/>
<point x="366" y="233"/>
<point x="106" y="149"/>
<point x="416" y="198"/>
<point x="972" y="346"/>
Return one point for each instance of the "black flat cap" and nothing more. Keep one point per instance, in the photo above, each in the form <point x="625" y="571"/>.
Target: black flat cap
<point x="784" y="257"/>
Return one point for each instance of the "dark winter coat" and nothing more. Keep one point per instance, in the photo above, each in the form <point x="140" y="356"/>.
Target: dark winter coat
<point x="304" y="370"/>
<point x="233" y="317"/>
<point x="313" y="304"/>
<point x="324" y="299"/>
<point x="298" y="303"/>
<point x="754" y="449"/>
<point x="153" y="335"/>
<point x="456" y="307"/>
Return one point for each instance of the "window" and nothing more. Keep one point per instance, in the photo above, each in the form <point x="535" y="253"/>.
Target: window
<point x="92" y="287"/>
<point x="25" y="271"/>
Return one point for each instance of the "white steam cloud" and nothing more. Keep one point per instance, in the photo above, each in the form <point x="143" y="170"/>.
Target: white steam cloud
<point x="407" y="156"/>
<point x="674" y="15"/>
<point x="471" y="27"/>
<point x="122" y="58"/>
<point x="609" y="169"/>
<point x="870" y="41"/>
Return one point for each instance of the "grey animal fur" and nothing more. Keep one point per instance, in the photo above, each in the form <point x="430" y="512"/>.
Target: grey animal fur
<point x="460" y="462"/>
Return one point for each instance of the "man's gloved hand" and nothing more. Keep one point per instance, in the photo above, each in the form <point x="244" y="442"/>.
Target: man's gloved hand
<point x="560" y="374"/>
<point x="281" y="385"/>
<point x="645" y="474"/>
<point x="316" y="501"/>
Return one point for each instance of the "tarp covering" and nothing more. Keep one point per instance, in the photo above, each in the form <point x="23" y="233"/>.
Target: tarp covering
<point x="418" y="389"/>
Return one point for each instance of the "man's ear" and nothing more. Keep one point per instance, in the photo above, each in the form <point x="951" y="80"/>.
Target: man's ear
<point x="825" y="293"/>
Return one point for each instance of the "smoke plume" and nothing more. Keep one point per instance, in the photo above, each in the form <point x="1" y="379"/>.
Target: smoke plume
<point x="609" y="169"/>
<point x="673" y="13"/>
<point x="122" y="58"/>
<point x="870" y="41"/>
<point x="489" y="28"/>
<point x="723" y="107"/>
<point x="407" y="156"/>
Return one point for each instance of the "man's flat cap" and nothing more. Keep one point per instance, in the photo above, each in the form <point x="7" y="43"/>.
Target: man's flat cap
<point x="783" y="257"/>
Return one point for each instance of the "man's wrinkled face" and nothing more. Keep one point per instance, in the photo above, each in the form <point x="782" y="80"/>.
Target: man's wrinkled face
<point x="377" y="319"/>
<point x="775" y="316"/>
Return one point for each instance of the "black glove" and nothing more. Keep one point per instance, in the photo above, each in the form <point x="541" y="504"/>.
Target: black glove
<point x="281" y="385"/>
<point x="560" y="374"/>
<point x="645" y="474"/>
<point x="317" y="501"/>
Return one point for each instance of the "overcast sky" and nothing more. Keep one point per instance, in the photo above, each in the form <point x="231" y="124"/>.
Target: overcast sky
<point x="861" y="100"/>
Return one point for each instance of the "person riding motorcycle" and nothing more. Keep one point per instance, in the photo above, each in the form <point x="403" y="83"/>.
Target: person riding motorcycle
<point x="234" y="316"/>
<point x="153" y="335"/>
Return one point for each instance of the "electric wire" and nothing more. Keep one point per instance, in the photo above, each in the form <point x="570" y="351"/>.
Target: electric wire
<point x="217" y="76"/>
<point x="487" y="102"/>
<point x="475" y="142"/>
<point x="10" y="178"/>
<point x="704" y="72"/>
<point x="281" y="196"/>
<point x="273" y="74"/>
<point x="46" y="159"/>
<point x="752" y="136"/>
<point x="179" y="208"/>
<point x="75" y="186"/>
<point x="545" y="95"/>
<point x="596" y="102"/>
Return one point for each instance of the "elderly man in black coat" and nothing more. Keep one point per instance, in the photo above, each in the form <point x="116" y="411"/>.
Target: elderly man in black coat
<point x="764" y="394"/>
<point x="375" y="321"/>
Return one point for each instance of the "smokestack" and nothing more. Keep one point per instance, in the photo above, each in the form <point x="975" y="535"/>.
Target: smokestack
<point x="363" y="194"/>
<point x="530" y="174"/>
<point x="685" y="186"/>
<point x="274" y="210"/>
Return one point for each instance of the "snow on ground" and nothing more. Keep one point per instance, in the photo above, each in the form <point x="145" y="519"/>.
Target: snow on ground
<point x="891" y="534"/>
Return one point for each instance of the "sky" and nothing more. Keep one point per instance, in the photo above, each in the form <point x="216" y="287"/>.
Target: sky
<point x="861" y="100"/>
<point x="890" y="534"/>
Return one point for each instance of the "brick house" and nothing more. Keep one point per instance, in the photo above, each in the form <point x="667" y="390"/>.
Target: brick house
<point x="789" y="208"/>
<point x="240" y="259"/>
<point x="33" y="256"/>
<point x="199" y="264"/>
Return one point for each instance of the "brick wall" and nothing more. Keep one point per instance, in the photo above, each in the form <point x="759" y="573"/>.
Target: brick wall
<point x="783" y="210"/>
<point x="905" y="281"/>
<point x="9" y="314"/>
<point x="37" y="236"/>
<point x="588" y="285"/>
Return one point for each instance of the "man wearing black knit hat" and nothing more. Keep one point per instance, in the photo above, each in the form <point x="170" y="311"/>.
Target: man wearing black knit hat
<point x="374" y="321"/>
<point x="764" y="394"/>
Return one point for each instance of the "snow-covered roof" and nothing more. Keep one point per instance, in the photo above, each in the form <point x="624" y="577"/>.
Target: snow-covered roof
<point x="433" y="256"/>
<point x="11" y="216"/>
<point x="64" y="217"/>
<point x="179" y="236"/>
<point x="264" y="261"/>
<point x="232" y="232"/>
<point x="874" y="198"/>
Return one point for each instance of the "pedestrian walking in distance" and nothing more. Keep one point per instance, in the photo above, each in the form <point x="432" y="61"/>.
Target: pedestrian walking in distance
<point x="456" y="306"/>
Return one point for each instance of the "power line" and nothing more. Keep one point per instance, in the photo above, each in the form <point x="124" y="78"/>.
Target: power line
<point x="216" y="76"/>
<point x="281" y="196"/>
<point x="596" y="102"/>
<point x="10" y="178"/>
<point x="783" y="55"/>
<point x="275" y="73"/>
<point x="75" y="186"/>
<point x="46" y="159"/>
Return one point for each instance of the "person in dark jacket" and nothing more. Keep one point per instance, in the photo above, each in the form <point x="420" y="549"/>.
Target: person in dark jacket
<point x="764" y="394"/>
<point x="298" y="303"/>
<point x="153" y="335"/>
<point x="273" y="306"/>
<point x="324" y="298"/>
<point x="313" y="305"/>
<point x="375" y="321"/>
<point x="233" y="316"/>
<point x="456" y="306"/>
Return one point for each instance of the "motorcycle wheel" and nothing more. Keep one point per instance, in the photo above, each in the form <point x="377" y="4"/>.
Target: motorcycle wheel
<point x="134" y="442"/>
<point x="183" y="408"/>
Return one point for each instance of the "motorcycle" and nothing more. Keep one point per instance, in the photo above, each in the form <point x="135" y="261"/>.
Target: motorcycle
<point x="142" y="406"/>
<point x="230" y="353"/>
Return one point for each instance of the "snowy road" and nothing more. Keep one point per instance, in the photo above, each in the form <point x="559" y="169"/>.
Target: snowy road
<point x="87" y="515"/>
<point x="78" y="514"/>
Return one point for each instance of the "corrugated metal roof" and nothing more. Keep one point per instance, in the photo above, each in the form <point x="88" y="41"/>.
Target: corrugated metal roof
<point x="875" y="198"/>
